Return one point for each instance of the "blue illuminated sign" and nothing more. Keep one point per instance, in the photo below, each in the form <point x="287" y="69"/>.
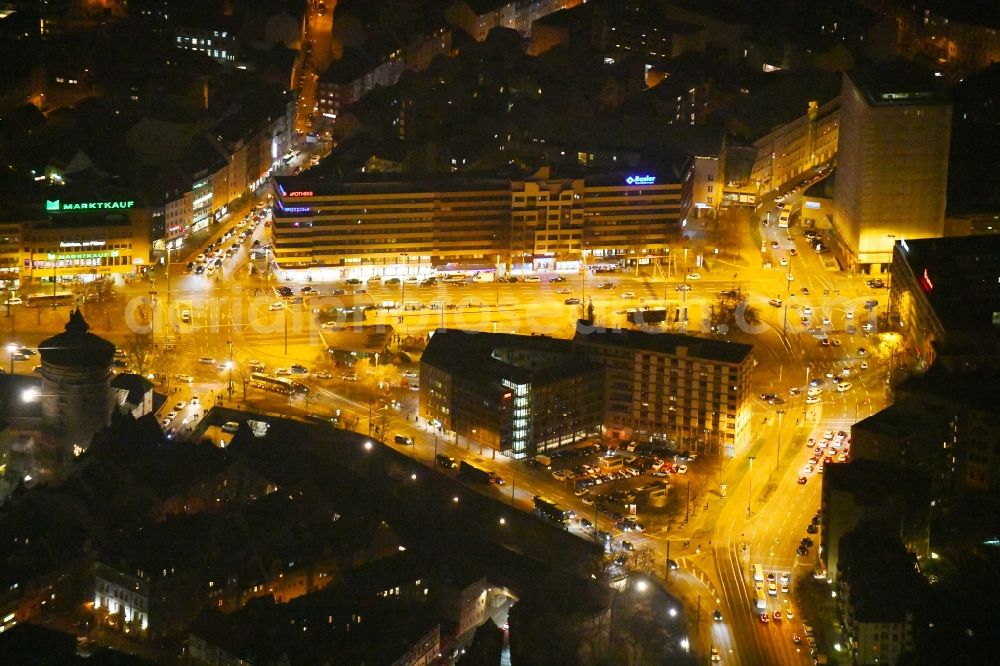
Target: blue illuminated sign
<point x="641" y="180"/>
<point x="296" y="209"/>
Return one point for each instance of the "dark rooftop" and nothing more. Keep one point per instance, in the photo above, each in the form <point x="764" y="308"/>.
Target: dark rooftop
<point x="322" y="185"/>
<point x="76" y="347"/>
<point x="668" y="343"/>
<point x="897" y="84"/>
<point x="960" y="277"/>
<point x="476" y="355"/>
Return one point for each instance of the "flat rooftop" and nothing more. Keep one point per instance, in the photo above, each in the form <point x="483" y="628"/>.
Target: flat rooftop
<point x="707" y="349"/>
<point x="898" y="84"/>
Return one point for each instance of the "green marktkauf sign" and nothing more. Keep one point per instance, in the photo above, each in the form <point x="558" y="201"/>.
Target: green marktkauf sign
<point x="56" y="206"/>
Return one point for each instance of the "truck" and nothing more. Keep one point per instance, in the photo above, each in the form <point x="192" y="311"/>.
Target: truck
<point x="484" y="276"/>
<point x="552" y="511"/>
<point x="475" y="473"/>
<point x="544" y="461"/>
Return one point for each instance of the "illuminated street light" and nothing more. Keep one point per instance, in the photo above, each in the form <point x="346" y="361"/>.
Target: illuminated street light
<point x="29" y="395"/>
<point x="368" y="446"/>
<point x="641" y="586"/>
<point x="503" y="521"/>
<point x="672" y="612"/>
<point x="12" y="349"/>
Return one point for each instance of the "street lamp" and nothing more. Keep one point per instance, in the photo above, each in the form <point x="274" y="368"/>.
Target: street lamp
<point x="750" y="480"/>
<point x="12" y="349"/>
<point x="777" y="455"/>
<point x="229" y="367"/>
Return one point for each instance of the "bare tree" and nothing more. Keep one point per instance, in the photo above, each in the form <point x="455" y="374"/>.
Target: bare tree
<point x="142" y="353"/>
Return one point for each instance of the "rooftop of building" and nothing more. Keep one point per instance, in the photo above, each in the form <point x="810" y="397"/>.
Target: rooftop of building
<point x="76" y="347"/>
<point x="473" y="355"/>
<point x="823" y="189"/>
<point x="706" y="349"/>
<point x="321" y="185"/>
<point x="976" y="389"/>
<point x="959" y="277"/>
<point x="897" y="83"/>
<point x="892" y="422"/>
<point x="136" y="385"/>
<point x="869" y="481"/>
<point x="312" y="628"/>
<point x="971" y="13"/>
<point x="882" y="575"/>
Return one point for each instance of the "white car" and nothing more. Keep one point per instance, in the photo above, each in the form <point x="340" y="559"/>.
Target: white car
<point x="828" y="435"/>
<point x="230" y="426"/>
<point x="783" y="261"/>
<point x="180" y="405"/>
<point x="864" y="365"/>
<point x="683" y="469"/>
<point x="628" y="294"/>
<point x="812" y="400"/>
<point x="276" y="306"/>
<point x="532" y="278"/>
<point x="693" y="276"/>
<point x="844" y="386"/>
<point x="171" y="416"/>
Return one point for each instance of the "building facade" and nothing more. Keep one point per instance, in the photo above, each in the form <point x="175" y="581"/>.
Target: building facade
<point x="892" y="164"/>
<point x="795" y="147"/>
<point x="85" y="239"/>
<point x="518" y="395"/>
<point x="694" y="392"/>
<point x="377" y="226"/>
<point x="523" y="395"/>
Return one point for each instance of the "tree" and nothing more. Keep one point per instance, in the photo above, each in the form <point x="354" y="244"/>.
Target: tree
<point x="732" y="312"/>
<point x="142" y="353"/>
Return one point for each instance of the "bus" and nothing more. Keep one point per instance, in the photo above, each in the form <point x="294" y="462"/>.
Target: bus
<point x="758" y="573"/>
<point x="549" y="509"/>
<point x="277" y="384"/>
<point x="42" y="299"/>
<point x="761" y="597"/>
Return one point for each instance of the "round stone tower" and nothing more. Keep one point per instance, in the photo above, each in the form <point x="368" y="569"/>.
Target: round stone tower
<point x="76" y="396"/>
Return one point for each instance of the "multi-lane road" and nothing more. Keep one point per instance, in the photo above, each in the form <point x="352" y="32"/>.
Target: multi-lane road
<point x="766" y="510"/>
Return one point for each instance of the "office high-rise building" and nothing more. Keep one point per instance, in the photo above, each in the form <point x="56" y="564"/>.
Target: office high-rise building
<point x="892" y="172"/>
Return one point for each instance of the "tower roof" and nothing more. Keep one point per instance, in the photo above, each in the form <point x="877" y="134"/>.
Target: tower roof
<point x="76" y="347"/>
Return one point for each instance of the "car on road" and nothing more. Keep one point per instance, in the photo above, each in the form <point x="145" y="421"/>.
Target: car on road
<point x="281" y="372"/>
<point x="715" y="654"/>
<point x="557" y="278"/>
<point x="352" y="281"/>
<point x="276" y="306"/>
<point x="871" y="303"/>
<point x="775" y="245"/>
<point x="256" y="366"/>
<point x="392" y="281"/>
<point x="862" y="351"/>
<point x="729" y="293"/>
<point x="813" y="399"/>
<point x="782" y="261"/>
<point x="812" y="529"/>
<point x="717" y="615"/>
<point x="765" y="618"/>
<point x="796" y="639"/>
<point x="835" y="342"/>
<point x="299" y="369"/>
<point x="683" y="287"/>
<point x="777" y="616"/>
<point x="628" y="294"/>
<point x="187" y="379"/>
<point x="824" y="342"/>
<point x="206" y="360"/>
<point x="775" y="302"/>
<point x="572" y="301"/>
<point x="844" y="386"/>
<point x="179" y="406"/>
<point x="628" y="546"/>
<point x="532" y="278"/>
<point x="803" y="480"/>
<point x="792" y="251"/>
<point x="805" y="291"/>
<point x="13" y="301"/>
<point x="564" y="290"/>
<point x="414" y="387"/>
<point x="864" y="365"/>
<point x="876" y="283"/>
<point x="606" y="285"/>
<point x="683" y="469"/>
<point x="693" y="276"/>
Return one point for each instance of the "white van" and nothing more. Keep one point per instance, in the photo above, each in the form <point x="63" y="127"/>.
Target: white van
<point x="487" y="276"/>
<point x="452" y="278"/>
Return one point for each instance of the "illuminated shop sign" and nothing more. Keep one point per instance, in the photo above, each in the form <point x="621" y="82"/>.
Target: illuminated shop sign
<point x="303" y="193"/>
<point x="85" y="255"/>
<point x="641" y="180"/>
<point x="56" y="206"/>
<point x="296" y="209"/>
<point x="81" y="243"/>
<point x="812" y="204"/>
